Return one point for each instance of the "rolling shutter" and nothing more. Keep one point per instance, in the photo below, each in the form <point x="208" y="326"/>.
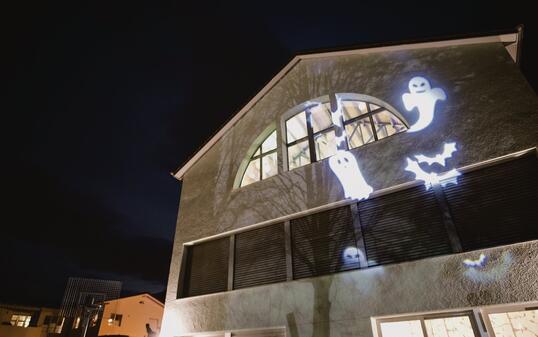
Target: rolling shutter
<point x="207" y="267"/>
<point x="496" y="205"/>
<point x="403" y="226"/>
<point x="319" y="240"/>
<point x="260" y="256"/>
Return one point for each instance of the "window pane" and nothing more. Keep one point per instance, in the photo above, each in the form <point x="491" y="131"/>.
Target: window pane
<point x="449" y="327"/>
<point x="321" y="117"/>
<point x="359" y="133"/>
<point x="296" y="127"/>
<point x="252" y="173"/>
<point x="387" y="124"/>
<point x="325" y="144"/>
<point x="402" y="329"/>
<point x="373" y="107"/>
<point x="269" y="143"/>
<point x="269" y="165"/>
<point x="257" y="153"/>
<point x="515" y="324"/>
<point x="298" y="155"/>
<point x="352" y="109"/>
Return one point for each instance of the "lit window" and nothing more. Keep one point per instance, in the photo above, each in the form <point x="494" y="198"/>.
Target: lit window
<point x="452" y="325"/>
<point x="263" y="163"/>
<point x="20" y="320"/>
<point x="311" y="134"/>
<point x="115" y="319"/>
<point x="515" y="324"/>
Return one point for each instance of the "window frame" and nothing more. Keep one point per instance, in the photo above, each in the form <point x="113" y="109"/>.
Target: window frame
<point x="306" y="106"/>
<point x="254" y="148"/>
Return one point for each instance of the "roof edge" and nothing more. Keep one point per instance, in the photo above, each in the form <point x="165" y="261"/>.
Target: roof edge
<point x="512" y="36"/>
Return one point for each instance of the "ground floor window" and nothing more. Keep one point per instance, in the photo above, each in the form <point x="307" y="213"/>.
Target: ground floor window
<point x="515" y="320"/>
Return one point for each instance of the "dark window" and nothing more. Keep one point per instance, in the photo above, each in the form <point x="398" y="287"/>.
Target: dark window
<point x="260" y="257"/>
<point x="496" y="205"/>
<point x="207" y="267"/>
<point x="403" y="226"/>
<point x="319" y="242"/>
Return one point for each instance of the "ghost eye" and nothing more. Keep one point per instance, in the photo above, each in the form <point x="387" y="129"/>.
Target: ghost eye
<point x="347" y="160"/>
<point x="415" y="85"/>
<point x="339" y="161"/>
<point x="422" y="84"/>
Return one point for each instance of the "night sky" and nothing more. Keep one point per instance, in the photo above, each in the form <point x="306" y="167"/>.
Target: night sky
<point x="104" y="99"/>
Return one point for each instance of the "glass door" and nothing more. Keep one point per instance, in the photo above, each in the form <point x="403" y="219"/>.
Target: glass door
<point x="459" y="324"/>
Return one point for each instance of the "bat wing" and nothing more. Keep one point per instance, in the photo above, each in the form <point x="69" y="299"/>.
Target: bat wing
<point x="413" y="167"/>
<point x="448" y="150"/>
<point x="425" y="159"/>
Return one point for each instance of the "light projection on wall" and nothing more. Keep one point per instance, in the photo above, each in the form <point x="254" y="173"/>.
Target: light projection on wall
<point x="432" y="178"/>
<point x="344" y="164"/>
<point x="487" y="272"/>
<point x="351" y="256"/>
<point x="423" y="97"/>
<point x="478" y="263"/>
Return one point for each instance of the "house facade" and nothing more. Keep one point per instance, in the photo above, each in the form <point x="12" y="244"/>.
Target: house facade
<point x="384" y="191"/>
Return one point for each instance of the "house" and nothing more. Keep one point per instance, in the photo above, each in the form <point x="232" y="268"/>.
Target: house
<point x="129" y="316"/>
<point x="26" y="321"/>
<point x="385" y="191"/>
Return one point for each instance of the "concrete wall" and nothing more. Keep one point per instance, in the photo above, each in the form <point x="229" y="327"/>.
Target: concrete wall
<point x="490" y="111"/>
<point x="13" y="331"/>
<point x="137" y="311"/>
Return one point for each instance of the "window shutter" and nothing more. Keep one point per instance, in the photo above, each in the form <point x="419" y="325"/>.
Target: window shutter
<point x="319" y="240"/>
<point x="403" y="226"/>
<point x="496" y="205"/>
<point x="260" y="256"/>
<point x="207" y="267"/>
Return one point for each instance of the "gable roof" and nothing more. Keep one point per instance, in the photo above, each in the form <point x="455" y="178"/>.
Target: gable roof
<point x="511" y="40"/>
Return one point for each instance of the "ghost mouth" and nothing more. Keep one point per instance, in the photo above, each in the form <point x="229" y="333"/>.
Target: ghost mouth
<point x="420" y="91"/>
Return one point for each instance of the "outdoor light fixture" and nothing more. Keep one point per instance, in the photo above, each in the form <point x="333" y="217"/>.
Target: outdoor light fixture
<point x="478" y="263"/>
<point x="493" y="272"/>
<point x="422" y="97"/>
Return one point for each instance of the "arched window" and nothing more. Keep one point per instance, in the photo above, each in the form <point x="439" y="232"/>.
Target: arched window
<point x="263" y="163"/>
<point x="311" y="134"/>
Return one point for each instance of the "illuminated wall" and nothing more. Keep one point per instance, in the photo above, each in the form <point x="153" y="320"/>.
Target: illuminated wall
<point x="489" y="111"/>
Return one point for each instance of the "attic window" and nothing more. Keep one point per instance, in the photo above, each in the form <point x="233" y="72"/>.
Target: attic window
<point x="263" y="163"/>
<point x="311" y="134"/>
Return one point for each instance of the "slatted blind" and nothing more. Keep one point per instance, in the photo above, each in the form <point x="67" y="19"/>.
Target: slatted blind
<point x="319" y="240"/>
<point x="496" y="205"/>
<point x="260" y="256"/>
<point x="207" y="267"/>
<point x="403" y="226"/>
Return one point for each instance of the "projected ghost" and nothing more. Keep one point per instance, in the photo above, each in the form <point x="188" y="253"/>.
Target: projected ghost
<point x="424" y="98"/>
<point x="478" y="263"/>
<point x="432" y="178"/>
<point x="494" y="271"/>
<point x="345" y="167"/>
<point x="351" y="256"/>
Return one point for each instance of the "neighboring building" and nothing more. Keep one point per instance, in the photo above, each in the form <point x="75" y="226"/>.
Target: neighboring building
<point x="128" y="316"/>
<point x="386" y="191"/>
<point x="80" y="294"/>
<point x="24" y="321"/>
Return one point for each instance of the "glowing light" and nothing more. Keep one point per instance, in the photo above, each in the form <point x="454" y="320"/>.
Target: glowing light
<point x="478" y="263"/>
<point x="422" y="97"/>
<point x="345" y="166"/>
<point x="493" y="272"/>
<point x="351" y="256"/>
<point x="432" y="178"/>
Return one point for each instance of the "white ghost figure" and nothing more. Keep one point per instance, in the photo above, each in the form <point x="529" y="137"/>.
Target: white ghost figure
<point x="351" y="255"/>
<point x="345" y="167"/>
<point x="423" y="97"/>
<point x="493" y="272"/>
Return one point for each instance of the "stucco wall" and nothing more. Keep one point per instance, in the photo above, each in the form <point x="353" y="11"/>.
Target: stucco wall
<point x="342" y="304"/>
<point x="490" y="111"/>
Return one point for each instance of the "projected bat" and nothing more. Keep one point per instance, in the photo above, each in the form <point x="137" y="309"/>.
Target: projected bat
<point x="448" y="149"/>
<point x="431" y="178"/>
<point x="423" y="97"/>
<point x="478" y="263"/>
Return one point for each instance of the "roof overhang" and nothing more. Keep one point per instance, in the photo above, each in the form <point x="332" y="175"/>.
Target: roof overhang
<point x="511" y="41"/>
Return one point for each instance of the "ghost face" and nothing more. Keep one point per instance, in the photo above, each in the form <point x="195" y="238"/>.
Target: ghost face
<point x="351" y="255"/>
<point x="419" y="85"/>
<point x="344" y="162"/>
